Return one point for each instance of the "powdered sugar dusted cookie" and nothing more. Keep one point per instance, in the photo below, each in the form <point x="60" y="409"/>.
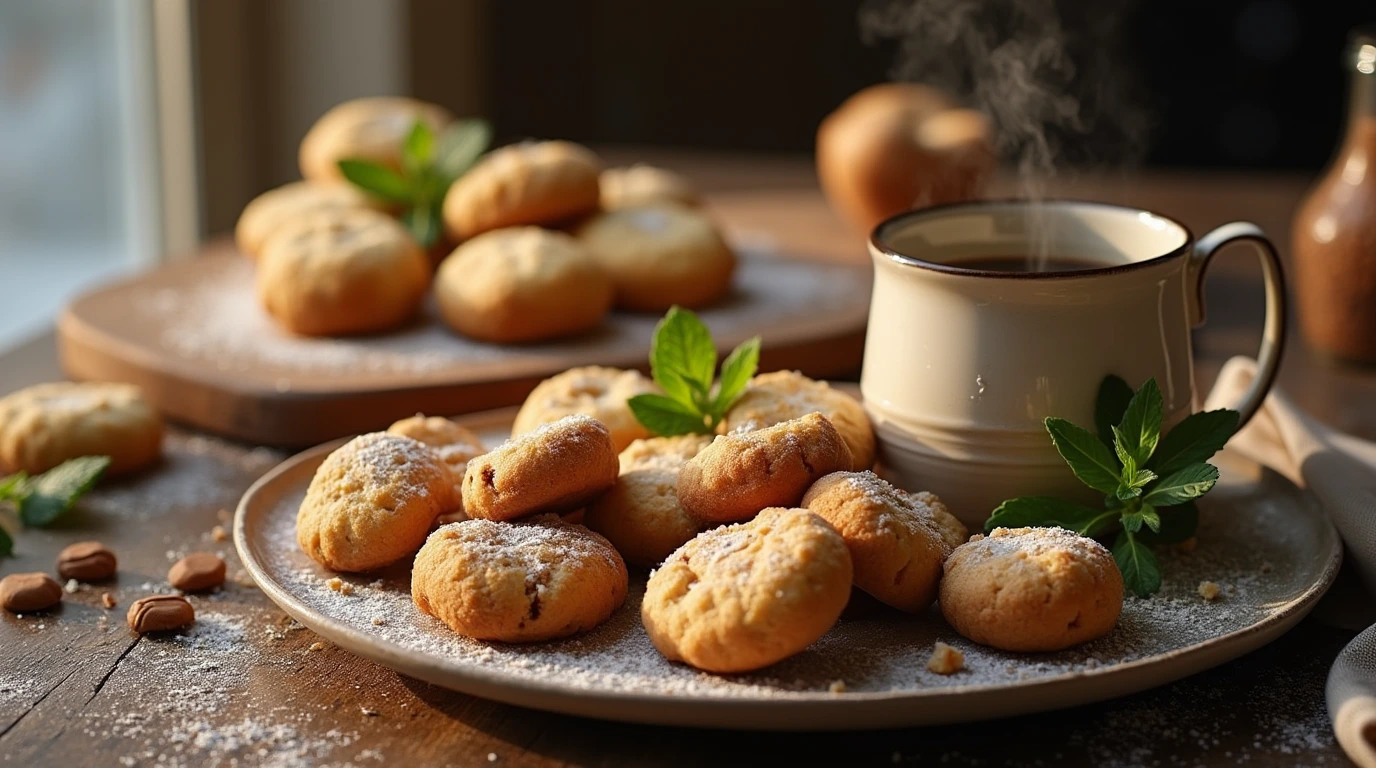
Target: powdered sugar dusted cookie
<point x="592" y="390"/>
<point x="1031" y="589"/>
<point x="537" y="182"/>
<point x="518" y="582"/>
<point x="659" y="255"/>
<point x="776" y="397"/>
<point x="745" y="596"/>
<point x="560" y="466"/>
<point x="279" y="207"/>
<point x="46" y="424"/>
<point x="641" y="515"/>
<point x="645" y="184"/>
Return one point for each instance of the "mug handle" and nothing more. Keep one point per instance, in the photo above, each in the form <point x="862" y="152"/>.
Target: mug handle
<point x="1273" y="329"/>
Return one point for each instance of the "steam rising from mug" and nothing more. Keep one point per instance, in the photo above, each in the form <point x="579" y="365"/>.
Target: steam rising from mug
<point x="1045" y="72"/>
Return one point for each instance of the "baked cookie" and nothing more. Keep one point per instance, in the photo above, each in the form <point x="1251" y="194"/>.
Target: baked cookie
<point x="520" y="285"/>
<point x="740" y="474"/>
<point x="364" y="129"/>
<point x="46" y="424"/>
<point x="895" y="544"/>
<point x="645" y="184"/>
<point x="542" y="182"/>
<point x="275" y="208"/>
<point x="659" y="255"/>
<point x="518" y="582"/>
<point x="371" y="502"/>
<point x="783" y="395"/>
<point x="745" y="596"/>
<point x="1031" y="589"/>
<point x="593" y="390"/>
<point x="952" y="531"/>
<point x="342" y="272"/>
<point x="560" y="466"/>
<point x="455" y="444"/>
<point x="641" y="515"/>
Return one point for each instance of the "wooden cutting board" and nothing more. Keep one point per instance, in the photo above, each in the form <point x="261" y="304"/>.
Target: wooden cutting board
<point x="194" y="337"/>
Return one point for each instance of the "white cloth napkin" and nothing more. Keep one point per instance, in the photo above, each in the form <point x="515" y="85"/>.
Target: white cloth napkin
<point x="1340" y="470"/>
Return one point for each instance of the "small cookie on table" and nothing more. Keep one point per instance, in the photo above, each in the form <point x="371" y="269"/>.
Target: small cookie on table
<point x="364" y="129"/>
<point x="645" y="184"/>
<point x="779" y="396"/>
<point x="592" y="390"/>
<point x="559" y="467"/>
<point x="742" y="597"/>
<point x="740" y="474"/>
<point x="342" y="272"/>
<point x="660" y="255"/>
<point x="455" y="444"/>
<point x="46" y="424"/>
<point x="522" y="284"/>
<point x="1031" y="589"/>
<point x="278" y="207"/>
<point x="541" y="182"/>
<point x="372" y="501"/>
<point x="641" y="515"/>
<point x="537" y="579"/>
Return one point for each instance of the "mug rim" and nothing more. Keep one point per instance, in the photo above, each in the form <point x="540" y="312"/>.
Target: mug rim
<point x="912" y="261"/>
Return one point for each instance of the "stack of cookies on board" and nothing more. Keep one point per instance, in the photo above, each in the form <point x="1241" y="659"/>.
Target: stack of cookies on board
<point x="755" y="537"/>
<point x="548" y="242"/>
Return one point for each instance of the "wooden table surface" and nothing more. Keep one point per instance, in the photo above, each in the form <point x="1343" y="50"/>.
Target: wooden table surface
<point x="248" y="687"/>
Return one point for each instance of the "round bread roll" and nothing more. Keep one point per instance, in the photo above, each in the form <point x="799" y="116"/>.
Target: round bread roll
<point x="342" y="272"/>
<point x="544" y="182"/>
<point x="276" y="208"/>
<point x="593" y="390"/>
<point x="521" y="285"/>
<point x="1031" y="589"/>
<point x="660" y="255"/>
<point x="560" y="466"/>
<point x="745" y="596"/>
<point x="645" y="185"/>
<point x="364" y="129"/>
<point x="779" y="396"/>
<point x="518" y="582"/>
<point x="372" y="501"/>
<point x="641" y="515"/>
<point x="46" y="424"/>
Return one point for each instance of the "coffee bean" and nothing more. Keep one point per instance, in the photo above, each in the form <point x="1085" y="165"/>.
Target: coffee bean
<point x="197" y="572"/>
<point x="160" y="612"/>
<point x="24" y="592"/>
<point x="86" y="561"/>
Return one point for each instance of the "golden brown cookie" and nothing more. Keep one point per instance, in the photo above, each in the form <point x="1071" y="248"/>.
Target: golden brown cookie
<point x="952" y="531"/>
<point x="46" y="424"/>
<point x="520" y="285"/>
<point x="740" y="474"/>
<point x="518" y="582"/>
<point x="659" y="255"/>
<point x="782" y="395"/>
<point x="364" y="129"/>
<point x="1031" y="589"/>
<point x="896" y="547"/>
<point x="455" y="444"/>
<point x="371" y="502"/>
<point x="745" y="596"/>
<point x="593" y="390"/>
<point x="543" y="182"/>
<point x="560" y="466"/>
<point x="645" y="184"/>
<point x="279" y="207"/>
<point x="641" y="515"/>
<point x="342" y="272"/>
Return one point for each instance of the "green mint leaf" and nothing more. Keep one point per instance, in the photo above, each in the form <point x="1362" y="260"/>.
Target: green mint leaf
<point x="1194" y="440"/>
<point x="460" y="146"/>
<point x="6" y="543"/>
<point x="667" y="417"/>
<point x="1109" y="406"/>
<point x="424" y="223"/>
<point x="1181" y="486"/>
<point x="1125" y="457"/>
<point x="736" y="371"/>
<point x="1127" y="493"/>
<point x="12" y="487"/>
<point x="1141" y="478"/>
<point x="53" y="493"/>
<point x="1178" y="523"/>
<point x="418" y="147"/>
<point x="1133" y="519"/>
<point x="1088" y="458"/>
<point x="1137" y="434"/>
<point x="1047" y="512"/>
<point x="682" y="357"/>
<point x="377" y="180"/>
<point x="1141" y="572"/>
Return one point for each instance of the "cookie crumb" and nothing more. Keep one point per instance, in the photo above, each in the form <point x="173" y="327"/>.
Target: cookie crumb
<point x="317" y="646"/>
<point x="837" y="686"/>
<point x="107" y="599"/>
<point x="491" y="757"/>
<point x="1187" y="546"/>
<point x="218" y="533"/>
<point x="71" y="586"/>
<point x="1209" y="590"/>
<point x="378" y="621"/>
<point x="945" y="660"/>
<point x="1266" y="567"/>
<point x="368" y="712"/>
<point x="341" y="586"/>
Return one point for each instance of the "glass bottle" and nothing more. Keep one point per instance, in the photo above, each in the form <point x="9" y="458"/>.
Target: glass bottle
<point x="1334" y="233"/>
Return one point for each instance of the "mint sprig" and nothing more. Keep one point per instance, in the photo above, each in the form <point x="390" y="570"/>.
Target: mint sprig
<point x="683" y="362"/>
<point x="1149" y="481"/>
<point x="42" y="499"/>
<point x="429" y="165"/>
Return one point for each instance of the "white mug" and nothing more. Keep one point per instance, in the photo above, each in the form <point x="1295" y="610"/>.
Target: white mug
<point x="964" y="360"/>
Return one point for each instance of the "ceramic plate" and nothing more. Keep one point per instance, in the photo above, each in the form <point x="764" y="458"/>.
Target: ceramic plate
<point x="1261" y="539"/>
